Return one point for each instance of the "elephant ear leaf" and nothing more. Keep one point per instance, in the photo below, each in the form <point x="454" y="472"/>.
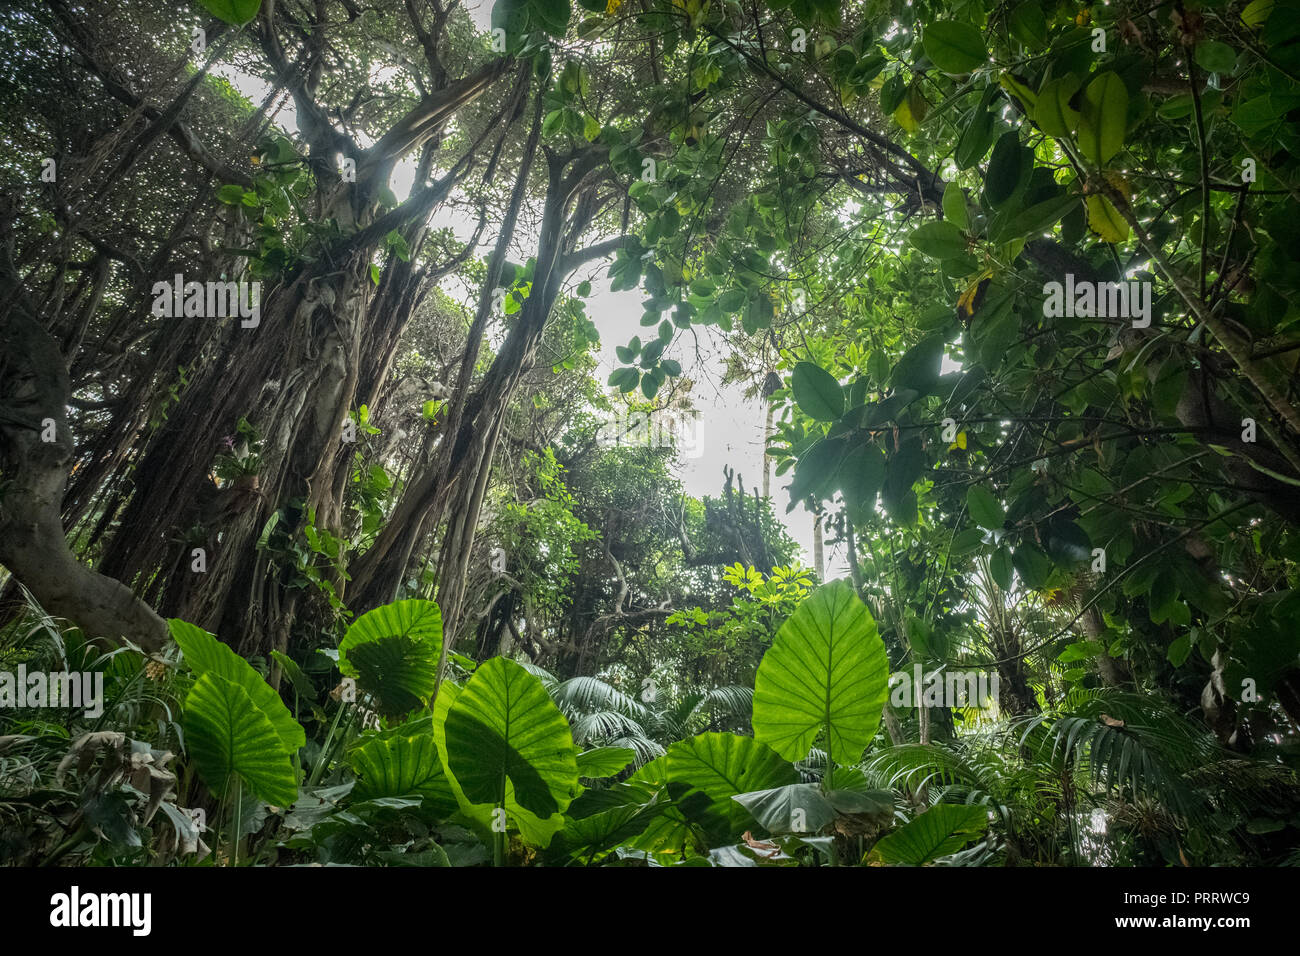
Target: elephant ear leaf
<point x="707" y="771"/>
<point x="504" y="729"/>
<point x="230" y="738"/>
<point x="941" y="830"/>
<point x="393" y="652"/>
<point x="206" y="655"/>
<point x="400" y="766"/>
<point x="826" y="674"/>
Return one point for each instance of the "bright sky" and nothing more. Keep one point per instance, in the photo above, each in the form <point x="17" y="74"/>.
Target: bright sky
<point x="730" y="429"/>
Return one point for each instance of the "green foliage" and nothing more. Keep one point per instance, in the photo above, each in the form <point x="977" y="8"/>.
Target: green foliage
<point x="825" y="677"/>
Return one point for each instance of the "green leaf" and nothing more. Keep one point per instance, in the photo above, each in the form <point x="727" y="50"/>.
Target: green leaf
<point x="1180" y="649"/>
<point x="1033" y="566"/>
<point x="817" y="469"/>
<point x="954" y="206"/>
<point x="938" y="240"/>
<point x="393" y="652"/>
<point x="1037" y="219"/>
<point x="374" y="274"/>
<point x="1006" y="172"/>
<point x="399" y="672"/>
<point x="1053" y="112"/>
<point x="941" y="830"/>
<point x="1257" y="12"/>
<point x="954" y="47"/>
<point x="985" y="509"/>
<point x="237" y="12"/>
<point x="1105" y="220"/>
<point x="1001" y="568"/>
<point x="706" y="771"/>
<point x="976" y="137"/>
<point x="1216" y="57"/>
<point x="230" y="195"/>
<point x="419" y="620"/>
<point x="826" y="674"/>
<point x="604" y="761"/>
<point x="504" y="727"/>
<point x="229" y="737"/>
<point x="1103" y="117"/>
<point x="920" y="366"/>
<point x="1029" y="25"/>
<point x="817" y="393"/>
<point x="552" y="15"/>
<point x="400" y="766"/>
<point x="206" y="655"/>
<point x="794" y="808"/>
<point x="860" y="478"/>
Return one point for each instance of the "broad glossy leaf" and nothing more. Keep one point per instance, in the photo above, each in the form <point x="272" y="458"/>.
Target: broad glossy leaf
<point x="919" y="367"/>
<point x="1032" y="565"/>
<point x="794" y="808"/>
<point x="228" y="736"/>
<point x="398" y="767"/>
<point x="504" y="727"/>
<point x="416" y="619"/>
<point x="399" y="672"/>
<point x="976" y="137"/>
<point x="1105" y="220"/>
<point x="604" y="761"/>
<point x="941" y="830"/>
<point x="1053" y="112"/>
<point x="206" y="655"/>
<point x="720" y="766"/>
<point x="860" y="477"/>
<point x="1007" y="172"/>
<point x="393" y="651"/>
<point x="826" y="674"/>
<point x="938" y="240"/>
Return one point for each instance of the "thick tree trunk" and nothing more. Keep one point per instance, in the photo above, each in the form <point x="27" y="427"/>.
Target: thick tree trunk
<point x="35" y="454"/>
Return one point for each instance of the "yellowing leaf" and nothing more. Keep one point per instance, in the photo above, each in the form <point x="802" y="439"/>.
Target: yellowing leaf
<point x="959" y="443"/>
<point x="1104" y="219"/>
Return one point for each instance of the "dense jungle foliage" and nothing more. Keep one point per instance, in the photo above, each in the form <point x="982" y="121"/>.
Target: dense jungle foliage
<point x="307" y="486"/>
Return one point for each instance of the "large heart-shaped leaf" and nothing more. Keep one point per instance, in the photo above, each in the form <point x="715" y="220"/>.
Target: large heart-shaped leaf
<point x="941" y="830"/>
<point x="827" y="673"/>
<point x="399" y="672"/>
<point x="400" y="766"/>
<point x="206" y="655"/>
<point x="718" y="767"/>
<point x="794" y="808"/>
<point x="504" y="728"/>
<point x="229" y="737"/>
<point x="393" y="652"/>
<point x="418" y="620"/>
